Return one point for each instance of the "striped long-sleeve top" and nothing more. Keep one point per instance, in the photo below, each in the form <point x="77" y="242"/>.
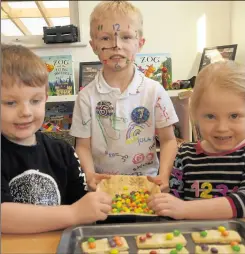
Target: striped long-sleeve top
<point x="198" y="175"/>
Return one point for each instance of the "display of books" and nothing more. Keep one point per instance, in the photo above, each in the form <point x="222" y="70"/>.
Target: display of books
<point x="61" y="75"/>
<point x="157" y="67"/>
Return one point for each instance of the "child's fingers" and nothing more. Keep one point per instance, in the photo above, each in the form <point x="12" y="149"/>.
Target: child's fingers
<point x="99" y="177"/>
<point x="154" y="180"/>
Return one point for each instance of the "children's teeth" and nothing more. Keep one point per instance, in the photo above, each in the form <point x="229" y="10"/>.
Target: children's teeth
<point x="223" y="138"/>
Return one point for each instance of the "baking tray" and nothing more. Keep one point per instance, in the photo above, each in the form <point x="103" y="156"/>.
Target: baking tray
<point x="72" y="238"/>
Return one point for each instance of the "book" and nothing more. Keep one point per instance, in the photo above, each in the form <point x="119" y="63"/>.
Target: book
<point x="61" y="75"/>
<point x="157" y="67"/>
<point x="59" y="115"/>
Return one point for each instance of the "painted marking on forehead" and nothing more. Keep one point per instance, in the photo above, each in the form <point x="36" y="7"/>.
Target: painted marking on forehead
<point x="100" y="27"/>
<point x="116" y="27"/>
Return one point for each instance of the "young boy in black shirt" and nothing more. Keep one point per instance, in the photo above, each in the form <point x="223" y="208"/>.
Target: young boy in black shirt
<point x="42" y="185"/>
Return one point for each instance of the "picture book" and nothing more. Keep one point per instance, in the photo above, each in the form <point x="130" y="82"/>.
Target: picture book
<point x="61" y="74"/>
<point x="59" y="115"/>
<point x="157" y="67"/>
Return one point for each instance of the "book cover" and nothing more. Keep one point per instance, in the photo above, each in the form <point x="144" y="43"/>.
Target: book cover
<point x="61" y="75"/>
<point x="157" y="67"/>
<point x="59" y="115"/>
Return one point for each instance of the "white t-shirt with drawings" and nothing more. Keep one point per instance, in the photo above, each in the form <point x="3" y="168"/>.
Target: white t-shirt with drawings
<point x="122" y="125"/>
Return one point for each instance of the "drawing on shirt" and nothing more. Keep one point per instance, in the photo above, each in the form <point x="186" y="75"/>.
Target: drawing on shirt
<point x="86" y="122"/>
<point x="142" y="165"/>
<point x="140" y="157"/>
<point x="206" y="188"/>
<point x="153" y="145"/>
<point x="134" y="131"/>
<point x="34" y="187"/>
<point x="107" y="120"/>
<point x="163" y="110"/>
<point x="113" y="155"/>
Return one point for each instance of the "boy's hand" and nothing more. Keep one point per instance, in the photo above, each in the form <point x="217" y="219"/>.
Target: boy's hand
<point x="93" y="179"/>
<point x="161" y="181"/>
<point x="165" y="204"/>
<point x="92" y="207"/>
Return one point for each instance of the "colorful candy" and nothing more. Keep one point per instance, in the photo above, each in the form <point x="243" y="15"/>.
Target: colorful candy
<point x="203" y="233"/>
<point x="176" y="232"/>
<point x="221" y="229"/>
<point x="169" y="236"/>
<point x="133" y="202"/>
<point x="179" y="246"/>
<point x="214" y="250"/>
<point x="204" y="247"/>
<point x="236" y="248"/>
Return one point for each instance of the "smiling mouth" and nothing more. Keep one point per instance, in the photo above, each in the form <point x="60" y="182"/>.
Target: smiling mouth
<point x="223" y="138"/>
<point x="22" y="124"/>
<point x="116" y="57"/>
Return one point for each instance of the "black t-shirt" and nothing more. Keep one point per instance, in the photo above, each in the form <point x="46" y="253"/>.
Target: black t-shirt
<point x="48" y="173"/>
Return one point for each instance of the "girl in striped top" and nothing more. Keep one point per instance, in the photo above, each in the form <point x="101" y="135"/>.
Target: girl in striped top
<point x="208" y="177"/>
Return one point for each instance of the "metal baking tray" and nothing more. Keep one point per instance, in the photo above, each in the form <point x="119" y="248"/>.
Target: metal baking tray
<point x="73" y="237"/>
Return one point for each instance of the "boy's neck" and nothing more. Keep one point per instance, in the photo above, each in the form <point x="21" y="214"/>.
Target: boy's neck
<point x="31" y="141"/>
<point x="120" y="79"/>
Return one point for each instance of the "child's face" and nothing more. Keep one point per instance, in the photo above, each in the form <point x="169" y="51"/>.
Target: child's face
<point x="116" y="41"/>
<point x="221" y="119"/>
<point x="22" y="112"/>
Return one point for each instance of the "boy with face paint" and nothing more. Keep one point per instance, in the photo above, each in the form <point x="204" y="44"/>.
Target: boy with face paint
<point x="115" y="117"/>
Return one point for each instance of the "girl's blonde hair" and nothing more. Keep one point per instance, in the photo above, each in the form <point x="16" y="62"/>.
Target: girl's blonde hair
<point x="107" y="8"/>
<point x="226" y="74"/>
<point x="19" y="65"/>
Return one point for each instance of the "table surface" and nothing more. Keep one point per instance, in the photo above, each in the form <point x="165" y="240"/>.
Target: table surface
<point x="44" y="243"/>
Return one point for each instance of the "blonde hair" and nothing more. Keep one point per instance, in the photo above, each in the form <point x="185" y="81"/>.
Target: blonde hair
<point x="116" y="7"/>
<point x="226" y="74"/>
<point x="20" y="65"/>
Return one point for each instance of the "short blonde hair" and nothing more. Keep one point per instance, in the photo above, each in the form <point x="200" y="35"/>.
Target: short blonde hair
<point x="116" y="7"/>
<point x="20" y="65"/>
<point x="226" y="74"/>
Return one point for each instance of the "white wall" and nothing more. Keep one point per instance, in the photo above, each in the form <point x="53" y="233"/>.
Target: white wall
<point x="238" y="29"/>
<point x="169" y="26"/>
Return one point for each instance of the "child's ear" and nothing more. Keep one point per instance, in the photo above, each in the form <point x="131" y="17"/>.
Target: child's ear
<point x="141" y="43"/>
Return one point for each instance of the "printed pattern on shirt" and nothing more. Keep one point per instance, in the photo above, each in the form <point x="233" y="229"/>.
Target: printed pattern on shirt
<point x="198" y="176"/>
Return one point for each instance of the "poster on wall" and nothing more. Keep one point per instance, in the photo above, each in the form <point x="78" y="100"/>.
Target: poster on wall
<point x="61" y="75"/>
<point x="214" y="54"/>
<point x="87" y="72"/>
<point x="157" y="67"/>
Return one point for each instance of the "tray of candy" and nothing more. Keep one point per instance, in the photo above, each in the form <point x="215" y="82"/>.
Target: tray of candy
<point x="72" y="238"/>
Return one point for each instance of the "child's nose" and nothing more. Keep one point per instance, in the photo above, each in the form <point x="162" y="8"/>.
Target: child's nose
<point x="25" y="110"/>
<point x="222" y="125"/>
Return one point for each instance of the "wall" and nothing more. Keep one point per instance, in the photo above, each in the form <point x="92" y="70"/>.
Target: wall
<point x="238" y="29"/>
<point x="170" y="26"/>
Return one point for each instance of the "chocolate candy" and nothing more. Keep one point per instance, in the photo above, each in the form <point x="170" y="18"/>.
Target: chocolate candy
<point x="169" y="236"/>
<point x="214" y="250"/>
<point x="204" y="247"/>
<point x="149" y="235"/>
<point x="142" y="238"/>
<point x="153" y="252"/>
<point x="112" y="243"/>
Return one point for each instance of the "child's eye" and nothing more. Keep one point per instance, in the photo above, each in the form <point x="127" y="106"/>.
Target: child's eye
<point x="210" y="116"/>
<point x="10" y="103"/>
<point x="105" y="38"/>
<point x="35" y="101"/>
<point x="126" y="37"/>
<point x="234" y="116"/>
